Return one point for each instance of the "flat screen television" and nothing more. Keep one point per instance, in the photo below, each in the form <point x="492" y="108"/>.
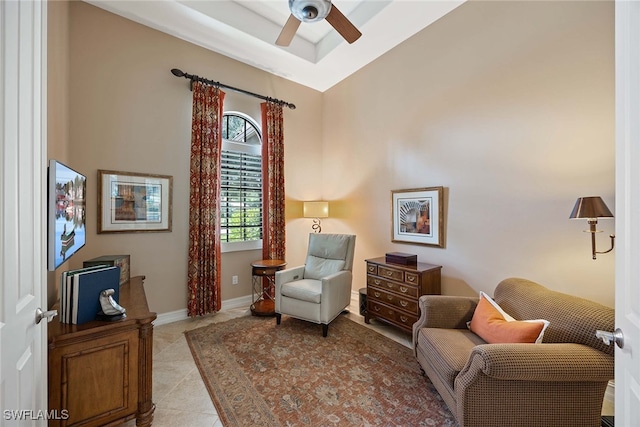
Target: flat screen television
<point x="66" y="213"/>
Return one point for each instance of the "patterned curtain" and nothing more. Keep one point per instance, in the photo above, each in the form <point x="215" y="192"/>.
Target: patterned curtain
<point x="273" y="232"/>
<point x="204" y="201"/>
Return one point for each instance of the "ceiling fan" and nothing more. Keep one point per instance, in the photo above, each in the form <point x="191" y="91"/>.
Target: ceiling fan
<point x="314" y="11"/>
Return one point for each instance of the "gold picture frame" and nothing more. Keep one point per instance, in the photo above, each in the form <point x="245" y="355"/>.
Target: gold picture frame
<point x="134" y="202"/>
<point x="417" y="216"/>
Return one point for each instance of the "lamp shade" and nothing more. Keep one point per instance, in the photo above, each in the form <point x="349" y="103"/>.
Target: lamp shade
<point x="315" y="209"/>
<point x="590" y="207"/>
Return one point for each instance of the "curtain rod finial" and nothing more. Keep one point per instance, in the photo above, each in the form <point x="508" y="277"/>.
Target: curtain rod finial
<point x="176" y="72"/>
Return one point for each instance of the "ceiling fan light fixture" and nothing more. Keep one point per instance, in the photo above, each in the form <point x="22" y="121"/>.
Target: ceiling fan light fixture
<point x="310" y="10"/>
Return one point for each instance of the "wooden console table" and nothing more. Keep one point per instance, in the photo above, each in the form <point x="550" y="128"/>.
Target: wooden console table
<point x="393" y="290"/>
<point x="101" y="372"/>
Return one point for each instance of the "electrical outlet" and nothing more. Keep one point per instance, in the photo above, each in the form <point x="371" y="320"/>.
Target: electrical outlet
<point x="234" y="280"/>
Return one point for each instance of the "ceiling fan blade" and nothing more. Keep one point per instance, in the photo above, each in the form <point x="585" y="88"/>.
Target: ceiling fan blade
<point x="342" y="25"/>
<point x="288" y="31"/>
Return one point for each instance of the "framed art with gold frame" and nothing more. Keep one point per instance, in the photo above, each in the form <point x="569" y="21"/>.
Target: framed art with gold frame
<point x="134" y="202"/>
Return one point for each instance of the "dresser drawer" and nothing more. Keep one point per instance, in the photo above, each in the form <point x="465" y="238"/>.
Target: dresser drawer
<point x="391" y="314"/>
<point x="391" y="273"/>
<point x="372" y="268"/>
<point x="410" y="305"/>
<point x="401" y="288"/>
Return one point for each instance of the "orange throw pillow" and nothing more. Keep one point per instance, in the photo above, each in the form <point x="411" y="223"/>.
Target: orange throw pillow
<point x="490" y="325"/>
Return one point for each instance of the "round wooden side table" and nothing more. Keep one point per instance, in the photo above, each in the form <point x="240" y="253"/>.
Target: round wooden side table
<point x="263" y="286"/>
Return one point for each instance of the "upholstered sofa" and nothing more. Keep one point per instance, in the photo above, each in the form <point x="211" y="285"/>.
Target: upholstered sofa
<point x="558" y="382"/>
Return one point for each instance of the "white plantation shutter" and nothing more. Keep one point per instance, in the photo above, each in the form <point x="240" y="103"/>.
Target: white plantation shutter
<point x="241" y="182"/>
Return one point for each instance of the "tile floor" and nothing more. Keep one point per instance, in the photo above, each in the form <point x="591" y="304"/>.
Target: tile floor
<point x="178" y="390"/>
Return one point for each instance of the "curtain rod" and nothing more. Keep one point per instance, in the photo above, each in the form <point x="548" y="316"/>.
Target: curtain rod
<point x="178" y="73"/>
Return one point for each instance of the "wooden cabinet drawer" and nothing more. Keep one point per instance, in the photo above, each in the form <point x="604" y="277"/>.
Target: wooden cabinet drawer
<point x="406" y="304"/>
<point x="391" y="273"/>
<point x="389" y="313"/>
<point x="372" y="269"/>
<point x="408" y="290"/>
<point x="412" y="278"/>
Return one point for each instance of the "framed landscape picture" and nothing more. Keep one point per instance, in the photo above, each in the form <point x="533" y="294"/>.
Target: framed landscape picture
<point x="132" y="202"/>
<point x="417" y="216"/>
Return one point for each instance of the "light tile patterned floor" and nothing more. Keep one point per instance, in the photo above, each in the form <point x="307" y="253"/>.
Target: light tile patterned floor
<point x="178" y="391"/>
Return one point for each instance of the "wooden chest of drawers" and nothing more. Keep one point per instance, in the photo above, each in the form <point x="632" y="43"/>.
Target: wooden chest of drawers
<point x="393" y="290"/>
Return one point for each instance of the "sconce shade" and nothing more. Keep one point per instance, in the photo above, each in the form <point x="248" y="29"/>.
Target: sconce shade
<point x="315" y="209"/>
<point x="590" y="207"/>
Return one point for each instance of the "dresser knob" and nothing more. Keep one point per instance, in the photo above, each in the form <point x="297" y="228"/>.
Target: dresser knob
<point x="403" y="319"/>
<point x="389" y="297"/>
<point x="376" y="308"/>
<point x="389" y="273"/>
<point x="403" y="289"/>
<point x="377" y="282"/>
<point x="411" y="278"/>
<point x="404" y="303"/>
<point x="377" y="294"/>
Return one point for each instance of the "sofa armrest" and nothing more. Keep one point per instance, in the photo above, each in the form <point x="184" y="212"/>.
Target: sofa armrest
<point x="544" y="384"/>
<point x="444" y="311"/>
<point x="537" y="362"/>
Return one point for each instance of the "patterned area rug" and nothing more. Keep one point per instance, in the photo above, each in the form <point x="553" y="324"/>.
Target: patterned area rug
<point x="262" y="374"/>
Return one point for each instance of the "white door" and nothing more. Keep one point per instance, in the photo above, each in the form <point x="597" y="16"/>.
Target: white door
<point x="627" y="391"/>
<point x="23" y="370"/>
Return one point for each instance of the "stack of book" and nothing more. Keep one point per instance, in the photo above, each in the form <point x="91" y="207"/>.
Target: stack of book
<point x="80" y="292"/>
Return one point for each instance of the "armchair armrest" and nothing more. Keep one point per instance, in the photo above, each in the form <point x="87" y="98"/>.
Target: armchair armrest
<point x="444" y="311"/>
<point x="286" y="276"/>
<point x="336" y="294"/>
<point x="289" y="275"/>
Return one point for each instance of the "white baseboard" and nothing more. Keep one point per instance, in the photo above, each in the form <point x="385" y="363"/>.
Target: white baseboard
<point x="175" y="316"/>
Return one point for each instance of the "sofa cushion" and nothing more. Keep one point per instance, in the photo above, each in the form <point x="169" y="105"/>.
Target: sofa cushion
<point x="495" y="326"/>
<point x="448" y="350"/>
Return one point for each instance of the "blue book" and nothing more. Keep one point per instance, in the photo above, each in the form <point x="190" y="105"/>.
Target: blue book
<point x="66" y="283"/>
<point x="86" y="289"/>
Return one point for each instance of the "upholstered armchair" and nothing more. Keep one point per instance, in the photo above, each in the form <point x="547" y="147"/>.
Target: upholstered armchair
<point x="320" y="289"/>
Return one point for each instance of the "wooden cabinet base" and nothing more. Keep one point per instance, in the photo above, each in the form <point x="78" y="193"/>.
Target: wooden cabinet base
<point x="393" y="290"/>
<point x="100" y="373"/>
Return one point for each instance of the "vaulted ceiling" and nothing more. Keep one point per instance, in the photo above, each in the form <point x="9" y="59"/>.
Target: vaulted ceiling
<point x="246" y="30"/>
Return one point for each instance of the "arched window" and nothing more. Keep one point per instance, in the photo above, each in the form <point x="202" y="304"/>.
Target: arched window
<point x="241" y="183"/>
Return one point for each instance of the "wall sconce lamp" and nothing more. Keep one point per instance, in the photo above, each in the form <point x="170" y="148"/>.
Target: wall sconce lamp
<point x="592" y="208"/>
<point x="315" y="210"/>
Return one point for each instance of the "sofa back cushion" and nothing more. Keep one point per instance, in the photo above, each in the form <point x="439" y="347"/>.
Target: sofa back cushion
<point x="571" y="319"/>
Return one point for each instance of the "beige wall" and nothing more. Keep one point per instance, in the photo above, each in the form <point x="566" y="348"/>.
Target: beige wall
<point x="508" y="105"/>
<point x="127" y="112"/>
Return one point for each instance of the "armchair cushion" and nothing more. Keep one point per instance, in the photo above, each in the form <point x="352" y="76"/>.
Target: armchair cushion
<point x="495" y="326"/>
<point x="304" y="290"/>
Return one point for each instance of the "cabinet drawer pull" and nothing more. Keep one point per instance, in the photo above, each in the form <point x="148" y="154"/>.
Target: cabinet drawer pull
<point x="404" y="319"/>
<point x="376" y="281"/>
<point x="403" y="289"/>
<point x="404" y="303"/>
<point x="389" y="297"/>
<point x="376" y="308"/>
<point x="411" y="278"/>
<point x="391" y="312"/>
<point x="377" y="294"/>
<point x="390" y="285"/>
<point x="371" y="268"/>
